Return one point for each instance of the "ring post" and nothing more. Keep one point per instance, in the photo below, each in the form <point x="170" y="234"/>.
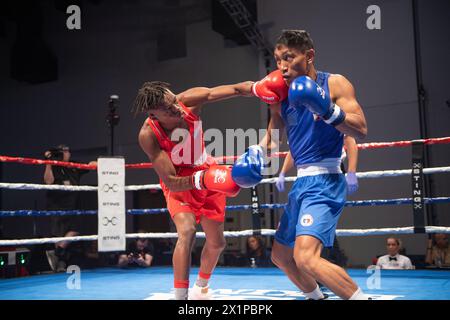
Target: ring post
<point x="417" y="186"/>
<point x="111" y="204"/>
<point x="256" y="213"/>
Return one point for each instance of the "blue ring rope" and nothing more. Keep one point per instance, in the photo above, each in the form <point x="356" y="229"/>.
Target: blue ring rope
<point x="358" y="203"/>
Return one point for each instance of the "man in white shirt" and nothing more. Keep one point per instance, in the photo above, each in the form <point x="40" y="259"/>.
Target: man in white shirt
<point x="393" y="260"/>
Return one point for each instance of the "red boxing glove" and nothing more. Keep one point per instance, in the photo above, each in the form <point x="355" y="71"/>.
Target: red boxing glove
<point x="216" y="178"/>
<point x="272" y="89"/>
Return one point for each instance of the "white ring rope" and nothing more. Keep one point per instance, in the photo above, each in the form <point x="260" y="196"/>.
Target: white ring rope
<point x="229" y="234"/>
<point x="361" y="175"/>
<point x="32" y="186"/>
<point x="375" y="174"/>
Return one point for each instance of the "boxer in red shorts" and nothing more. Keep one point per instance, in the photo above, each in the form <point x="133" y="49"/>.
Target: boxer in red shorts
<point x="194" y="186"/>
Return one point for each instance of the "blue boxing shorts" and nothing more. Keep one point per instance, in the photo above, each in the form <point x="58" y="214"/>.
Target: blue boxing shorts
<point x="314" y="207"/>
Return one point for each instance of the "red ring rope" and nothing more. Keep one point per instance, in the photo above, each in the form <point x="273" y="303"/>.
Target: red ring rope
<point x="146" y="165"/>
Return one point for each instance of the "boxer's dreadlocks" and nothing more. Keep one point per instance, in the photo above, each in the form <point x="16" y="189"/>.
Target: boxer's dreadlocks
<point x="150" y="96"/>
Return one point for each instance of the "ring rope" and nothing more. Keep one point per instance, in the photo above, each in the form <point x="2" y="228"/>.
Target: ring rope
<point x="266" y="232"/>
<point x="357" y="203"/>
<point x="361" y="175"/>
<point x="375" y="174"/>
<point x="33" y="186"/>
<point x="227" y="234"/>
<point x="377" y="145"/>
<point x="224" y="159"/>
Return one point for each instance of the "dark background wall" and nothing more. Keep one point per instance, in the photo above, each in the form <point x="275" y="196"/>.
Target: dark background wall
<point x="435" y="66"/>
<point x="120" y="45"/>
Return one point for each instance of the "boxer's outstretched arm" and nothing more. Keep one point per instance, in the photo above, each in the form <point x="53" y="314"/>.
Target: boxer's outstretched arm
<point x="276" y="123"/>
<point x="201" y="95"/>
<point x="344" y="94"/>
<point x="161" y="162"/>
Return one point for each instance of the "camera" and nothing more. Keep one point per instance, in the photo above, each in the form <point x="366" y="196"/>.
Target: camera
<point x="135" y="254"/>
<point x="56" y="153"/>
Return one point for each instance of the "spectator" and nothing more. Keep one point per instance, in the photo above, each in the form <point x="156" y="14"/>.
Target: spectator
<point x="139" y="254"/>
<point x="394" y="260"/>
<point x="62" y="200"/>
<point x="257" y="254"/>
<point x="438" y="251"/>
<point x="66" y="253"/>
<point x="63" y="253"/>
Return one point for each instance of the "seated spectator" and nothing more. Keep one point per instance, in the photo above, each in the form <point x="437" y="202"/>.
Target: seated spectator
<point x="394" y="260"/>
<point x="66" y="253"/>
<point x="438" y="251"/>
<point x="257" y="255"/>
<point x="139" y="254"/>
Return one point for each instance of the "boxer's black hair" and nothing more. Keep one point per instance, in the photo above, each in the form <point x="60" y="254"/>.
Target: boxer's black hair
<point x="150" y="96"/>
<point x="299" y="39"/>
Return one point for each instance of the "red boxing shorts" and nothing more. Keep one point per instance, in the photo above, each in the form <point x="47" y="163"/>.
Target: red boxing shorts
<point x="209" y="204"/>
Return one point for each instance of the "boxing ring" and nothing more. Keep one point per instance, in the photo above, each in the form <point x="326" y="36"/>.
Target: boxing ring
<point x="228" y="283"/>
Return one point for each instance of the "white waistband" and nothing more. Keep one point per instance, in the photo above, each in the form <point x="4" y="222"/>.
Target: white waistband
<point x="326" y="166"/>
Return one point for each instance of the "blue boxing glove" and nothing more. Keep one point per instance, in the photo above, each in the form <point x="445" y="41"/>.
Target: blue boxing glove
<point x="305" y="91"/>
<point x="247" y="170"/>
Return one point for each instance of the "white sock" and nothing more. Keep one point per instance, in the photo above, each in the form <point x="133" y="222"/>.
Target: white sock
<point x="200" y="282"/>
<point x="359" y="295"/>
<point x="316" y="294"/>
<point x="181" y="293"/>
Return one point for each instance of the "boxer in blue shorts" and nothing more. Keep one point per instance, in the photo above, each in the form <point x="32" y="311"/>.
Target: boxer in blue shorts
<point x="317" y="109"/>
